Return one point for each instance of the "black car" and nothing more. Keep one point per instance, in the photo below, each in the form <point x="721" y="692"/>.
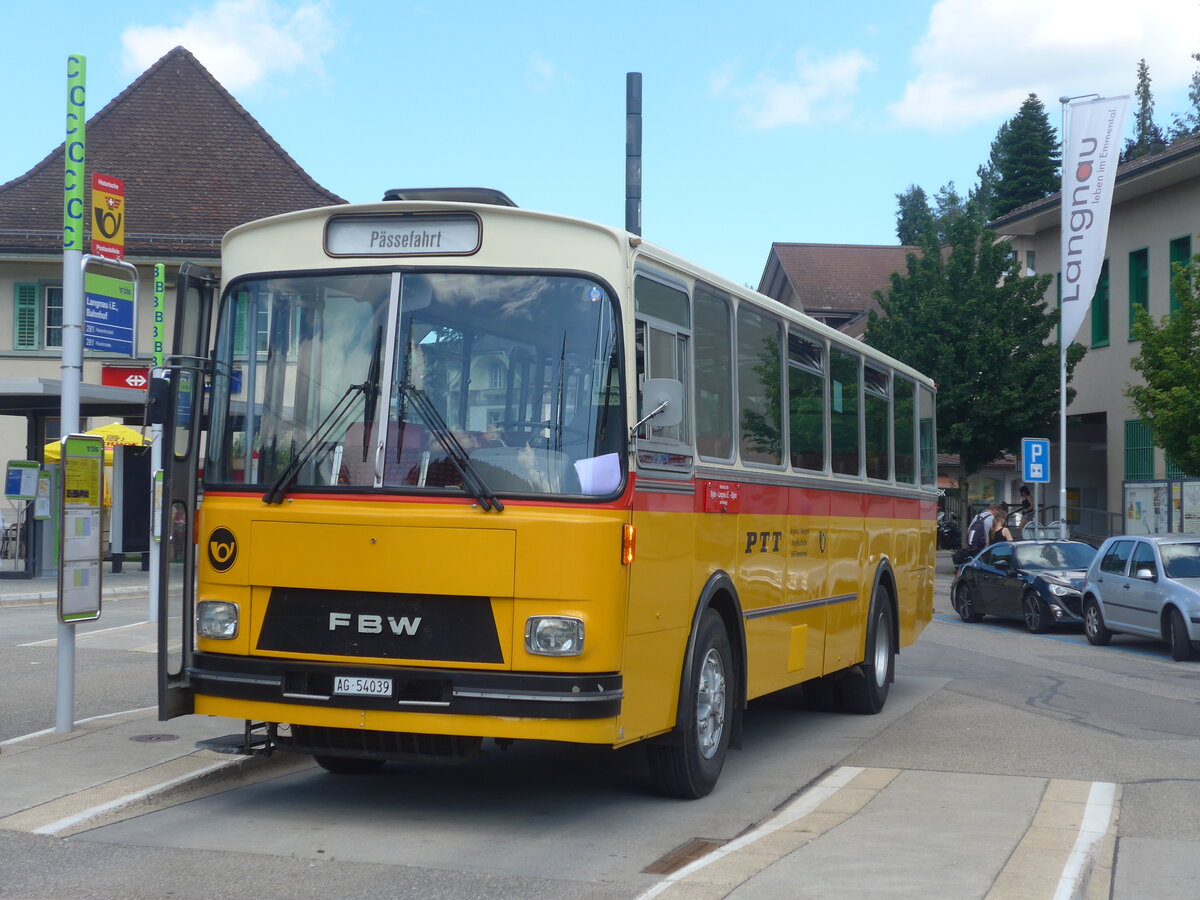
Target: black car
<point x="1037" y="582"/>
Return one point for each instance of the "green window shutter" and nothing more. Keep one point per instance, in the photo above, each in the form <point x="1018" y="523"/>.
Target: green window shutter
<point x="1139" y="451"/>
<point x="1139" y="283"/>
<point x="1100" y="309"/>
<point x="1181" y="252"/>
<point x="26" y="317"/>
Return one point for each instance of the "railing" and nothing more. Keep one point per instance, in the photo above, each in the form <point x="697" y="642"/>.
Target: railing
<point x="1083" y="524"/>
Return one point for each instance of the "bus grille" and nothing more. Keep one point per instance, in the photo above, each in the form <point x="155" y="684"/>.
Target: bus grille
<point x="381" y="625"/>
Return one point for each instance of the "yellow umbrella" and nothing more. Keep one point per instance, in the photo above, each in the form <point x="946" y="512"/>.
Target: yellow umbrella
<point x="114" y="435"/>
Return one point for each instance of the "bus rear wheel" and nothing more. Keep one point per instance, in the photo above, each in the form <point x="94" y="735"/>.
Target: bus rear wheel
<point x="865" y="689"/>
<point x="348" y="765"/>
<point x="687" y="762"/>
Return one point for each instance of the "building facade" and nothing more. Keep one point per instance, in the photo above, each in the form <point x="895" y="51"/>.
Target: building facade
<point x="1154" y="223"/>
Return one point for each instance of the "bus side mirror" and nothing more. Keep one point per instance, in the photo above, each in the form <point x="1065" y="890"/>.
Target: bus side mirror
<point x="662" y="401"/>
<point x="158" y="397"/>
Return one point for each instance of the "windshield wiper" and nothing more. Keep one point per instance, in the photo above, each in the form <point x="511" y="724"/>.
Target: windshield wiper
<point x="472" y="480"/>
<point x="335" y="418"/>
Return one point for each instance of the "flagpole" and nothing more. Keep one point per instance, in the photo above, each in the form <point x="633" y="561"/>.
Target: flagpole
<point x="1063" y="343"/>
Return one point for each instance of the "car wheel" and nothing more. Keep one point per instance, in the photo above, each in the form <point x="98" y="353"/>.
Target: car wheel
<point x="1037" y="617"/>
<point x="1093" y="624"/>
<point x="1181" y="644"/>
<point x="687" y="762"/>
<point x="348" y="765"/>
<point x="964" y="603"/>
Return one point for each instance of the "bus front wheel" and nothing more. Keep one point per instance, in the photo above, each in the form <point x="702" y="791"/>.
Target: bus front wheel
<point x="687" y="762"/>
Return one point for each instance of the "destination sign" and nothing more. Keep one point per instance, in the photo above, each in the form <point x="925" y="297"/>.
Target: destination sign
<point x="404" y="234"/>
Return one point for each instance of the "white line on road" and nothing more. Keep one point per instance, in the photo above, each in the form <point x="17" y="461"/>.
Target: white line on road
<point x="797" y="809"/>
<point x="83" y="634"/>
<point x="33" y="734"/>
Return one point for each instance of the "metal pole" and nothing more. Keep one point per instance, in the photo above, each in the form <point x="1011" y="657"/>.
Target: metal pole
<point x="633" y="152"/>
<point x="1063" y="345"/>
<point x="72" y="339"/>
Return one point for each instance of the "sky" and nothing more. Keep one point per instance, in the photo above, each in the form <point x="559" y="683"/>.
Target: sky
<point x="763" y="121"/>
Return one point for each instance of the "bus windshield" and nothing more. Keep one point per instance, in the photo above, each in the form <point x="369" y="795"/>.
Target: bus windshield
<point x="506" y="383"/>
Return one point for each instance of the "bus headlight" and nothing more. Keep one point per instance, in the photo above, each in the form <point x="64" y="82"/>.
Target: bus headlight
<point x="217" y="619"/>
<point x="554" y="635"/>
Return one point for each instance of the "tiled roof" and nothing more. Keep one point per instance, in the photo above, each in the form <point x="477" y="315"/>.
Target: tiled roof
<point x="194" y="163"/>
<point x="834" y="276"/>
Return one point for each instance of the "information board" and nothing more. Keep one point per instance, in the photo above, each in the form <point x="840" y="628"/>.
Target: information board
<point x="20" y="479"/>
<point x="80" y="550"/>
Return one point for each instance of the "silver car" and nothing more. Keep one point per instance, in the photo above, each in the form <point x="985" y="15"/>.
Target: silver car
<point x="1147" y="585"/>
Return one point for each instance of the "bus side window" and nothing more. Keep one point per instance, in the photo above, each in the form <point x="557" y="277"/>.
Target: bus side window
<point x="844" y="412"/>
<point x="662" y="347"/>
<point x="806" y="401"/>
<point x="760" y="388"/>
<point x="904" y="429"/>
<point x="714" y="375"/>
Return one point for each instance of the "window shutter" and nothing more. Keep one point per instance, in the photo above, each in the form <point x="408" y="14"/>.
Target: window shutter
<point x="26" y="317"/>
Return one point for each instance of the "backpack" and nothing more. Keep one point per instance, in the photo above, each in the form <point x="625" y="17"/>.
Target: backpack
<point x="976" y="535"/>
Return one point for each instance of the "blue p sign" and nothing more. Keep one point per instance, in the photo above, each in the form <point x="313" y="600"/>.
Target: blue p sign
<point x="1035" y="460"/>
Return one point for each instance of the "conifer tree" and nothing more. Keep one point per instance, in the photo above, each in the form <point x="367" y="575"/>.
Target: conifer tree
<point x="1024" y="159"/>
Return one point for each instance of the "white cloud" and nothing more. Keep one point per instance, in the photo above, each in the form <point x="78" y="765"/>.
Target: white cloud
<point x="541" y="74"/>
<point x="980" y="58"/>
<point x="818" y="89"/>
<point x="241" y="42"/>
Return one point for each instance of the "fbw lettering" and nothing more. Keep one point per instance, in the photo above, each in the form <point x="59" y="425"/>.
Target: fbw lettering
<point x="367" y="624"/>
<point x="765" y="541"/>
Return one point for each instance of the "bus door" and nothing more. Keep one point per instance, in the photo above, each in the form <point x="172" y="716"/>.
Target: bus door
<point x="182" y="419"/>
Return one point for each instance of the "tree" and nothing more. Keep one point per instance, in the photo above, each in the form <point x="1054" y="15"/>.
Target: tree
<point x="1024" y="160"/>
<point x="1188" y="123"/>
<point x="983" y="332"/>
<point x="1169" y="361"/>
<point x="1147" y="137"/>
<point x="913" y="216"/>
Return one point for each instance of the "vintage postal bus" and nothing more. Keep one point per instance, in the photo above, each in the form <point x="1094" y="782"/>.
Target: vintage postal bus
<point x="441" y="470"/>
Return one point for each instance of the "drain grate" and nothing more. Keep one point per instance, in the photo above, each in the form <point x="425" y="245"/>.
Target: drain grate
<point x="154" y="738"/>
<point x="682" y="856"/>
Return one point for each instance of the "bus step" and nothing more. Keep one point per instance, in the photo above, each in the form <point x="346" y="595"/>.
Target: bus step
<point x="257" y="740"/>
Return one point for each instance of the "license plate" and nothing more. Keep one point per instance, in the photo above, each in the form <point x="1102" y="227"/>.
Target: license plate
<point x="363" y="687"/>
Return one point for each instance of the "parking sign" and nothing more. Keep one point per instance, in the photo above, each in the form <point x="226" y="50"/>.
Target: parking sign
<point x="1035" y="460"/>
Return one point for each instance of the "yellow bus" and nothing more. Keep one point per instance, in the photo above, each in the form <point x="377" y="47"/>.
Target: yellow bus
<point x="439" y="470"/>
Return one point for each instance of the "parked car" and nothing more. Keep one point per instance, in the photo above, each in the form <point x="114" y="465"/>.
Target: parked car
<point x="1147" y="585"/>
<point x="1037" y="582"/>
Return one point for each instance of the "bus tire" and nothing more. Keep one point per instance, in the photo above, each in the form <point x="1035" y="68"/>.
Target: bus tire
<point x="687" y="762"/>
<point x="865" y="688"/>
<point x="348" y="765"/>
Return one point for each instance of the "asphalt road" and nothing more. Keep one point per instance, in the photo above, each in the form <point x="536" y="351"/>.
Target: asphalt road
<point x="972" y="702"/>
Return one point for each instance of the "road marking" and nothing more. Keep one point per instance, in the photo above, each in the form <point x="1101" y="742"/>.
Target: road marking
<point x="44" y="731"/>
<point x="1097" y="814"/>
<point x="84" y="634"/>
<point x="798" y="808"/>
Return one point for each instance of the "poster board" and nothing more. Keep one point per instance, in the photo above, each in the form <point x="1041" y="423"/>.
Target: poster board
<point x="80" y="551"/>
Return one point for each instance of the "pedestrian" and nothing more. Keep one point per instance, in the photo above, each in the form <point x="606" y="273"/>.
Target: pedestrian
<point x="999" y="530"/>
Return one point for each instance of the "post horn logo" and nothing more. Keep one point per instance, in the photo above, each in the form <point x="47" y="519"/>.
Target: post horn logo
<point x="222" y="549"/>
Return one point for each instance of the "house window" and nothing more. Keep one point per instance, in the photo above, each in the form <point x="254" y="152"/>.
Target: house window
<point x="37" y="316"/>
<point x="1139" y="283"/>
<point x="1030" y="262"/>
<point x="496" y="377"/>
<point x="1139" y="451"/>
<point x="1100" y="309"/>
<point x="1181" y="252"/>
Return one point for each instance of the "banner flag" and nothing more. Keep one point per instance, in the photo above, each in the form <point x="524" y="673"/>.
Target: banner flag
<point x="1091" y="146"/>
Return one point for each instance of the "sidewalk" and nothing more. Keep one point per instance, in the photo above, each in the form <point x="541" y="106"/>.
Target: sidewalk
<point x="44" y="589"/>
